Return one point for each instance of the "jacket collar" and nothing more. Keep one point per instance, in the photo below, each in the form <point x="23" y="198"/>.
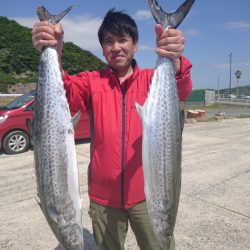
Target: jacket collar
<point x="112" y="75"/>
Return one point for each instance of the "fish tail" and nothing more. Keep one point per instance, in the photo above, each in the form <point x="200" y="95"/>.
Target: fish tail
<point x="44" y="14"/>
<point x="172" y="20"/>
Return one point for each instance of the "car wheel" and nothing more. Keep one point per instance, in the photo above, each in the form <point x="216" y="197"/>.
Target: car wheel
<point x="16" y="142"/>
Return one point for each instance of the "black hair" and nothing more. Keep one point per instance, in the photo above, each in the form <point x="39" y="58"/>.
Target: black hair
<point x="118" y="23"/>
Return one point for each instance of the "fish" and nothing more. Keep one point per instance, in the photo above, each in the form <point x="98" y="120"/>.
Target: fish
<point x="54" y="149"/>
<point x="163" y="122"/>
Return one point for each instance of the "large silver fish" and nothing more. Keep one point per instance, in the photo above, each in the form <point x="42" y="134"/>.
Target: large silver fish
<point x="54" y="150"/>
<point x="162" y="136"/>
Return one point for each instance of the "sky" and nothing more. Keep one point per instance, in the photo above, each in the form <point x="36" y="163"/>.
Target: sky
<point x="213" y="30"/>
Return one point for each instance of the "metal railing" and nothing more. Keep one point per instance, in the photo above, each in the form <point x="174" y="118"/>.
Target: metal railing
<point x="10" y="95"/>
<point x="236" y="101"/>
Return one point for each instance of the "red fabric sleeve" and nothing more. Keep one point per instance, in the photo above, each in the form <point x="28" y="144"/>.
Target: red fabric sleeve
<point x="183" y="78"/>
<point x="77" y="91"/>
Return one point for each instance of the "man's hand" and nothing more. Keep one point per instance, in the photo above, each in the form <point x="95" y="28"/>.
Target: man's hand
<point x="46" y="34"/>
<point x="170" y="43"/>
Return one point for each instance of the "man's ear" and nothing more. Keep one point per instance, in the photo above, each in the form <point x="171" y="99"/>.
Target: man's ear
<point x="135" y="47"/>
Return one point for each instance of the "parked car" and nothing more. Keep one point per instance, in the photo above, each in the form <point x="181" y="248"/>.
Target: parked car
<point x="14" y="133"/>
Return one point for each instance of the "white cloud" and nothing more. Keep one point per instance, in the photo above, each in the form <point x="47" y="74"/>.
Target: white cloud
<point x="145" y="47"/>
<point x="221" y="66"/>
<point x="143" y="14"/>
<point x="237" y="25"/>
<point x="192" y="32"/>
<point x="225" y="66"/>
<point x="81" y="30"/>
<point x="247" y="64"/>
<point x="242" y="64"/>
<point x="25" y="21"/>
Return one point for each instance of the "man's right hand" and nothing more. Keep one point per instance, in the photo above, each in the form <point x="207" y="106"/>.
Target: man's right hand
<point x="46" y="34"/>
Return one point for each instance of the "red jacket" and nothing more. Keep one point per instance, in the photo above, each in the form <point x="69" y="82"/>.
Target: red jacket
<point x="115" y="172"/>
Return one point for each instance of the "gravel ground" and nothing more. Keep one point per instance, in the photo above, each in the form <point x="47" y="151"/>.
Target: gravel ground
<point x="214" y="205"/>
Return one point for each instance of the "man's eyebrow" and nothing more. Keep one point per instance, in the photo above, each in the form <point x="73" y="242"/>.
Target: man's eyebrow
<point x="107" y="36"/>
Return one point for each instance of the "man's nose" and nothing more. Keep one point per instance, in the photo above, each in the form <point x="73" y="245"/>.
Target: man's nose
<point x="116" y="46"/>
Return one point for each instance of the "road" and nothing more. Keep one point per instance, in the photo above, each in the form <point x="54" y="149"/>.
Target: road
<point x="215" y="199"/>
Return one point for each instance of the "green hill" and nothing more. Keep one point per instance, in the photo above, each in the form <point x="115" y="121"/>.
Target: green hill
<point x="242" y="91"/>
<point x="19" y="60"/>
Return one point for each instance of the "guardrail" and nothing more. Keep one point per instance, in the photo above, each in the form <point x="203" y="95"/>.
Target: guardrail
<point x="235" y="101"/>
<point x="10" y="95"/>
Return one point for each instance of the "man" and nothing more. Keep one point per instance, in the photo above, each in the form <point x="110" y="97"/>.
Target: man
<point x="115" y="179"/>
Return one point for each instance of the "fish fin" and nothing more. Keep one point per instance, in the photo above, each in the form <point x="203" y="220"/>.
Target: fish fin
<point x="182" y="119"/>
<point x="44" y="15"/>
<point x="172" y="20"/>
<point x="29" y="125"/>
<point x="38" y="201"/>
<point x="51" y="212"/>
<point x="139" y="109"/>
<point x="75" y="119"/>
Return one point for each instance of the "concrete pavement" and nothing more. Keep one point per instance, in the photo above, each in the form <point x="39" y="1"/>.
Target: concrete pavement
<point x="214" y="211"/>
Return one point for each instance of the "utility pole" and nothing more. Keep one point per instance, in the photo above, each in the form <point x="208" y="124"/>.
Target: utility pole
<point x="230" y="68"/>
<point x="218" y="89"/>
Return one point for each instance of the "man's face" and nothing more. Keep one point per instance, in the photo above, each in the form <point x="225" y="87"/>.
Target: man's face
<point x="118" y="51"/>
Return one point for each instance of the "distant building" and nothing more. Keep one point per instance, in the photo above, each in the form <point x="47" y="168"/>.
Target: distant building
<point x="201" y="96"/>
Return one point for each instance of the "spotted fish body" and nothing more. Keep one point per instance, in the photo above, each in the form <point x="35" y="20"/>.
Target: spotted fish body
<point x="55" y="155"/>
<point x="161" y="150"/>
<point x="162" y="137"/>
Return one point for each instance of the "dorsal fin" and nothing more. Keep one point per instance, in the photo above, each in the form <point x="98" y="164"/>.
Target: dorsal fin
<point x="172" y="20"/>
<point x="44" y="15"/>
<point x="75" y="119"/>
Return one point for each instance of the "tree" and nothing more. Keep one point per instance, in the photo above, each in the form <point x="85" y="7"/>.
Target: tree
<point x="19" y="60"/>
<point x="238" y="75"/>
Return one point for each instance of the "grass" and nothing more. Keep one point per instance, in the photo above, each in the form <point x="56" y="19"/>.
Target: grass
<point x="243" y="116"/>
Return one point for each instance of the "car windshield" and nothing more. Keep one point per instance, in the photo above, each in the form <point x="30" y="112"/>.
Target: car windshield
<point x="19" y="102"/>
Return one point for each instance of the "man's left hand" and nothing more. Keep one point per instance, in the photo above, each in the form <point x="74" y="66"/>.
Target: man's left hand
<point x="170" y="43"/>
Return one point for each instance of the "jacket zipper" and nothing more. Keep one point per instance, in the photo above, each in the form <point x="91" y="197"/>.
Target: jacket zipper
<point x="123" y="89"/>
